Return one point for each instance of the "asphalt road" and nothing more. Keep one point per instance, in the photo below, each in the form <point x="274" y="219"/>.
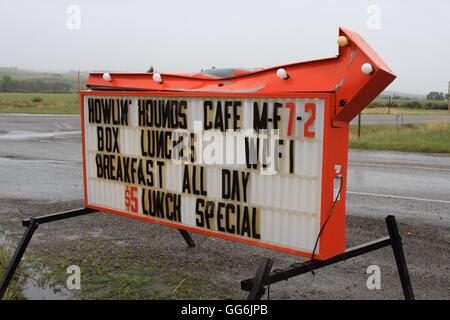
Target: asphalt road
<point x="40" y="157"/>
<point x="40" y="162"/>
<point x="408" y="185"/>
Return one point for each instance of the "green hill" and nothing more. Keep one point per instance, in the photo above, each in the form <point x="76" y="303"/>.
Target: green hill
<point x="22" y="80"/>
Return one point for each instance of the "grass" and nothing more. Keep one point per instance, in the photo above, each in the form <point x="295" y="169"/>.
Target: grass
<point x="110" y="272"/>
<point x="118" y="273"/>
<point x="39" y="103"/>
<point x="13" y="292"/>
<point x="405" y="111"/>
<point x="433" y="137"/>
<point x="408" y="107"/>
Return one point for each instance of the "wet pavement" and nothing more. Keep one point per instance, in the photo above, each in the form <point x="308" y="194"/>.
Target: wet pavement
<point x="40" y="157"/>
<point x="408" y="185"/>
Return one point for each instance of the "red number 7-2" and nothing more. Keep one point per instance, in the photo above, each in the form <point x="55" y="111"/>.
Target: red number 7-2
<point x="310" y="107"/>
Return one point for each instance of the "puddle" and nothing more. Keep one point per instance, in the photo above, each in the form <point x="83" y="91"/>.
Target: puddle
<point x="5" y="243"/>
<point x="7" y="160"/>
<point x="96" y="234"/>
<point x="30" y="288"/>
<point x="121" y="243"/>
<point x="70" y="237"/>
<point x="32" y="291"/>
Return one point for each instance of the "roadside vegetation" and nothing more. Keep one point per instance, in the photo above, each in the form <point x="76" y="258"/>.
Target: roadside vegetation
<point x="13" y="292"/>
<point x="404" y="111"/>
<point x="407" y="106"/>
<point x="433" y="137"/>
<point x="39" y="103"/>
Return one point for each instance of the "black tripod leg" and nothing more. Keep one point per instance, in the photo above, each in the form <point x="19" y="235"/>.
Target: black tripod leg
<point x="397" y="247"/>
<point x="14" y="263"/>
<point x="187" y="237"/>
<point x="257" y="289"/>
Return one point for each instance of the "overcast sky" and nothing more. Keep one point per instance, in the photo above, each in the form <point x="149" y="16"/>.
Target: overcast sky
<point x="413" y="37"/>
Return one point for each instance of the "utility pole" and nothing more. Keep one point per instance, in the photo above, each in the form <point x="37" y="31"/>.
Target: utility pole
<point x="78" y="85"/>
<point x="448" y="100"/>
<point x="359" y="125"/>
<point x="389" y="104"/>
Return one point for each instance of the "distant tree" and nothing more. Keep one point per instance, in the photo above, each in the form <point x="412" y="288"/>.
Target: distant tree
<point x="434" y="95"/>
<point x="33" y="85"/>
<point x="7" y="84"/>
<point x="412" y="105"/>
<point x="151" y="70"/>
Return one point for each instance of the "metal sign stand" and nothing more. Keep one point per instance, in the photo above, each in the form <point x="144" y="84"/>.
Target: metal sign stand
<point x="33" y="223"/>
<point x="263" y="277"/>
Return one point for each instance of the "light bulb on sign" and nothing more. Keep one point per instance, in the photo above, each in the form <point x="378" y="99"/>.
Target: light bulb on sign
<point x="107" y="77"/>
<point x="367" y="68"/>
<point x="342" y="41"/>
<point x="157" y="77"/>
<point x="282" y="74"/>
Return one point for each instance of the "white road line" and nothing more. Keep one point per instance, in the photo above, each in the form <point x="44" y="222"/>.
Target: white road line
<point x="6" y="115"/>
<point x="23" y="135"/>
<point x="397" y="197"/>
<point x="375" y="165"/>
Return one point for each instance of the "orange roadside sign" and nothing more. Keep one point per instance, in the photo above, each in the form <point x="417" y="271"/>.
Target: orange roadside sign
<point x="255" y="156"/>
